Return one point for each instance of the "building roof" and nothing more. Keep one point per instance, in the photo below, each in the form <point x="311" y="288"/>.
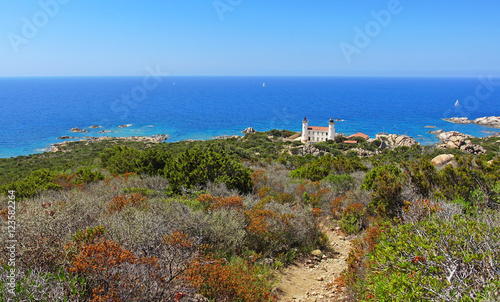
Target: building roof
<point x="317" y="128"/>
<point x="359" y="134"/>
<point x="350" y="142"/>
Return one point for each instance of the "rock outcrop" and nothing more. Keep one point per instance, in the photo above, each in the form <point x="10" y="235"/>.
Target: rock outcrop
<point x="65" y="137"/>
<point x="365" y="153"/>
<point x="249" y="130"/>
<point x="492" y="121"/>
<point x="457" y="140"/>
<point x="393" y="141"/>
<point x="95" y="127"/>
<point x="309" y="149"/>
<point x="446" y="137"/>
<point x="458" y="120"/>
<point x="78" y="130"/>
<point x="489" y="121"/>
<point x="125" y="126"/>
<point x="443" y="160"/>
<point x="226" y="136"/>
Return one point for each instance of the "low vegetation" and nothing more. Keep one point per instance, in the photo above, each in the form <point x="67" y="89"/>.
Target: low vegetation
<point x="216" y="219"/>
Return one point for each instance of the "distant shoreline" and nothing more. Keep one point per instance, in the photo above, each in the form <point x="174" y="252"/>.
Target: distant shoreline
<point x="154" y="139"/>
<point x="160" y="138"/>
<point x="488" y="121"/>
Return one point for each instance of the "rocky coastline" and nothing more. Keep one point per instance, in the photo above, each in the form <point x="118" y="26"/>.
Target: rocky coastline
<point x="489" y="121"/>
<point x="155" y="139"/>
<point x="457" y="140"/>
<point x="450" y="139"/>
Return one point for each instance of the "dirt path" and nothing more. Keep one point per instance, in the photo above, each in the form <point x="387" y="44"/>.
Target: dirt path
<point x="311" y="279"/>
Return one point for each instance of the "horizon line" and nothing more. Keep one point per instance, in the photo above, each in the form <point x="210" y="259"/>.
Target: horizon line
<point x="250" y="76"/>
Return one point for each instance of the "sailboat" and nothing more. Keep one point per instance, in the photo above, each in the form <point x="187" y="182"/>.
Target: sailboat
<point x="264" y="84"/>
<point x="457" y="104"/>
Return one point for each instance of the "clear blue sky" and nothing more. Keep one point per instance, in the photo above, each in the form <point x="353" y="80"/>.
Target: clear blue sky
<point x="256" y="37"/>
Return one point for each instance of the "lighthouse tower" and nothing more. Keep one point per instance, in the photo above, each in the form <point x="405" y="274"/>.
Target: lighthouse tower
<point x="305" y="136"/>
<point x="331" y="129"/>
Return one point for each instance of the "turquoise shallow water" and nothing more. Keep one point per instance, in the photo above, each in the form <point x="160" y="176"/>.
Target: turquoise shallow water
<point x="38" y="110"/>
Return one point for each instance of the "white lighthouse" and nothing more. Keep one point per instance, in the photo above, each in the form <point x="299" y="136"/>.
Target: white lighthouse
<point x="305" y="136"/>
<point x="314" y="134"/>
<point x="331" y="129"/>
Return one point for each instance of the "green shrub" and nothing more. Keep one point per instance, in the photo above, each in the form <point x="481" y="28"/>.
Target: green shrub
<point x="86" y="175"/>
<point x="142" y="191"/>
<point x="153" y="161"/>
<point x="321" y="167"/>
<point x="37" y="181"/>
<point x="120" y="159"/>
<point x="35" y="285"/>
<point x="387" y="184"/>
<point x="352" y="218"/>
<point x="434" y="260"/>
<point x="197" y="167"/>
<point x="469" y="176"/>
<point x="280" y="133"/>
<point x="423" y="176"/>
<point x="342" y="182"/>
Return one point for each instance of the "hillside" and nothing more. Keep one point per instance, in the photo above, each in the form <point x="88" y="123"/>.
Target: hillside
<point x="257" y="218"/>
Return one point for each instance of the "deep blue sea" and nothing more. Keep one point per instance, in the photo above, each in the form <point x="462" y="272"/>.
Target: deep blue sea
<point x="35" y="111"/>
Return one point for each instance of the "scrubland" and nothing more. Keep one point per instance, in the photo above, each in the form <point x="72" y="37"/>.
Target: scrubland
<point x="217" y="221"/>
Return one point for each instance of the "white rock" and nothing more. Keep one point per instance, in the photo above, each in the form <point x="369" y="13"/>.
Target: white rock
<point x="317" y="253"/>
<point x="442" y="159"/>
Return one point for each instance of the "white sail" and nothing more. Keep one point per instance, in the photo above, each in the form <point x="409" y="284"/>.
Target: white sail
<point x="264" y="84"/>
<point x="457" y="104"/>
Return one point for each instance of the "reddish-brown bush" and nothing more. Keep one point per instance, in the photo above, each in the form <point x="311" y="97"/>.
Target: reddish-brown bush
<point x="337" y="207"/>
<point x="116" y="274"/>
<point x="119" y="202"/>
<point x="264" y="191"/>
<point x="218" y="280"/>
<point x="213" y="203"/>
<point x="99" y="260"/>
<point x="353" y="209"/>
<point x="258" y="177"/>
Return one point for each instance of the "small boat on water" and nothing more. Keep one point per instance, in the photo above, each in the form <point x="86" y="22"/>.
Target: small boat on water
<point x="457" y="104"/>
<point x="264" y="84"/>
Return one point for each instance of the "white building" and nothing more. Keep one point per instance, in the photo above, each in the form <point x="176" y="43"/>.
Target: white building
<point x="317" y="134"/>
